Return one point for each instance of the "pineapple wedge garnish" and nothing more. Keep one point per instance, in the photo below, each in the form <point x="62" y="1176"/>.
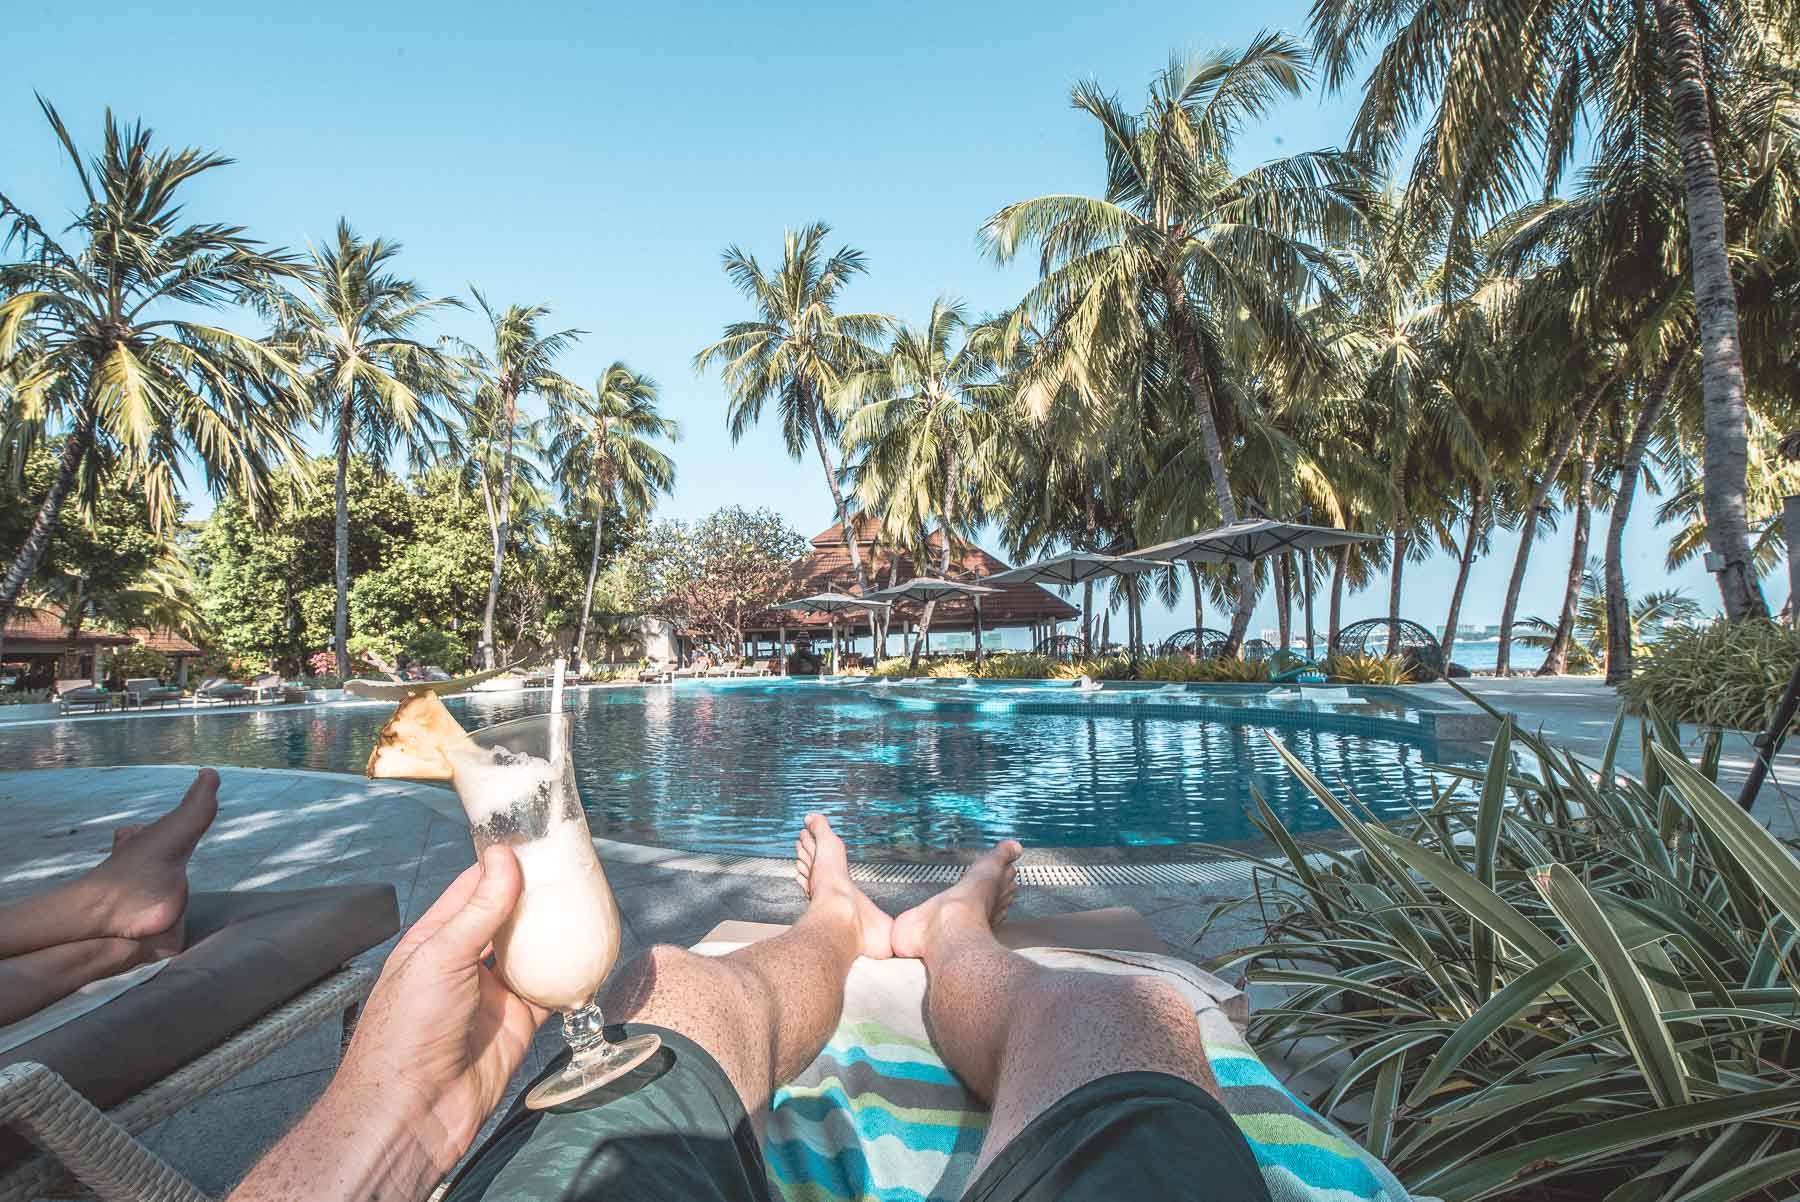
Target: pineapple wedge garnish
<point x="412" y="746"/>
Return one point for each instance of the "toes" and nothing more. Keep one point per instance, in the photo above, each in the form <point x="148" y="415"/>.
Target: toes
<point x="125" y="834"/>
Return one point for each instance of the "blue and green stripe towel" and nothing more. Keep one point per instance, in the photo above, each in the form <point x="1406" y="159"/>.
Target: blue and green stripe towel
<point x="878" y="1116"/>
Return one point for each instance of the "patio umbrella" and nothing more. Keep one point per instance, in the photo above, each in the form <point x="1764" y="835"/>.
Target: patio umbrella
<point x="831" y="605"/>
<point x="1247" y="542"/>
<point x="930" y="588"/>
<point x="1079" y="567"/>
<point x="1069" y="569"/>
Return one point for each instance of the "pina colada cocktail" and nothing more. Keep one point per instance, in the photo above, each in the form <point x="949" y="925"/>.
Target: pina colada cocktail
<point x="516" y="783"/>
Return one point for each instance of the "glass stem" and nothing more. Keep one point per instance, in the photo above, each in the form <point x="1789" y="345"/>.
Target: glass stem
<point x="585" y="1029"/>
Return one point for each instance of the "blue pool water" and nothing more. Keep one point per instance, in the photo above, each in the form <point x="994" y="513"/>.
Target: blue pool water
<point x="732" y="767"/>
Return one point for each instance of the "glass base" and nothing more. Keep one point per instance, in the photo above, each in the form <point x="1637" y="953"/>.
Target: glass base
<point x="590" y="1070"/>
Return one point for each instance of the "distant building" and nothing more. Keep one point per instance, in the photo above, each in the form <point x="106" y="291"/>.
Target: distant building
<point x="38" y="644"/>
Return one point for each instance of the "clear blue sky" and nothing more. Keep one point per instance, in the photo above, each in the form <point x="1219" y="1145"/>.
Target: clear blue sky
<point x="598" y="159"/>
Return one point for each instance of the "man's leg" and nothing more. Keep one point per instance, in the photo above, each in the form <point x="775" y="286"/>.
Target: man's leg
<point x="1024" y="1036"/>
<point x="764" y="1011"/>
<point x="139" y="892"/>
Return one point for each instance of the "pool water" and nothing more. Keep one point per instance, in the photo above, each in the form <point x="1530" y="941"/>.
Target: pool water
<point x="733" y="767"/>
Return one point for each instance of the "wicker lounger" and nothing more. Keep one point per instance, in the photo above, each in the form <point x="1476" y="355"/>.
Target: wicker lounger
<point x="82" y="1092"/>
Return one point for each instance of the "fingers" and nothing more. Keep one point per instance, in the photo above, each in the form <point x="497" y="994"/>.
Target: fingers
<point x="465" y="933"/>
<point x="449" y="902"/>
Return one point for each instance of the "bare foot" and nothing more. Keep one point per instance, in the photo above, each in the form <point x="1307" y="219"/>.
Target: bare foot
<point x="822" y="868"/>
<point x="141" y="888"/>
<point x="981" y="898"/>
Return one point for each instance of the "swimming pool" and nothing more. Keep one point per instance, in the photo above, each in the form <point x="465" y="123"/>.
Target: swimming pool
<point x="902" y="770"/>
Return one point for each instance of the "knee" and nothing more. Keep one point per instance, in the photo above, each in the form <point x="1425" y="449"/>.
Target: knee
<point x="665" y="977"/>
<point x="1115" y="1007"/>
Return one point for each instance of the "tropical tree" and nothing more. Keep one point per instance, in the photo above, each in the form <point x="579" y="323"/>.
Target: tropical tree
<point x="603" y="448"/>
<point x="519" y="365"/>
<point x="922" y="425"/>
<point x="1181" y="244"/>
<point x="98" y="341"/>
<point x="351" y="326"/>
<point x="796" y="351"/>
<point x="1506" y="87"/>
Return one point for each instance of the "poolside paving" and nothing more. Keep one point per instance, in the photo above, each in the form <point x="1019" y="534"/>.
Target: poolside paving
<point x="290" y="829"/>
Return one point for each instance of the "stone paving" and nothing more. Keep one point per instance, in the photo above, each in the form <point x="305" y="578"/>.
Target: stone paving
<point x="290" y="829"/>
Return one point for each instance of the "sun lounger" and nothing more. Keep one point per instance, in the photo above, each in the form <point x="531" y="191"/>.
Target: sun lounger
<point x="143" y="691"/>
<point x="266" y="687"/>
<point x="216" y="690"/>
<point x="656" y="672"/>
<point x="72" y="695"/>
<point x="692" y="671"/>
<point x="832" y="1133"/>
<point x="261" y="969"/>
<point x="726" y="668"/>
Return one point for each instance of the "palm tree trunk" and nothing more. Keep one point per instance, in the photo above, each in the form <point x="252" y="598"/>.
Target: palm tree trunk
<point x="1397" y="570"/>
<point x="837" y="501"/>
<point x="1200" y="395"/>
<point x="1618" y="600"/>
<point x="1556" y="661"/>
<point x="340" y="614"/>
<point x="1725" y="418"/>
<point x="43" y="526"/>
<point x="1199" y="604"/>
<point x="1528" y="528"/>
<point x="1087" y="618"/>
<point x="587" y="598"/>
<point x="944" y="520"/>
<point x="1284" y="600"/>
<point x="1477" y="518"/>
<point x="502" y="530"/>
<point x="1334" y="619"/>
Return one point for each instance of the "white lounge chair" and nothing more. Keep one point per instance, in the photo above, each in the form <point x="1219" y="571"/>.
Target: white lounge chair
<point x="142" y="691"/>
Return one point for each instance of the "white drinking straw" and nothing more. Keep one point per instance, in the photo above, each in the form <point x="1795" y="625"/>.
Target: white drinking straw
<point x="556" y="742"/>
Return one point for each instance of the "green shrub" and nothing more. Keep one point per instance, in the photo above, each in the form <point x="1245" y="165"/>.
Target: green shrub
<point x="898" y="665"/>
<point x="1724" y="674"/>
<point x="136" y="662"/>
<point x="1017" y="666"/>
<point x="1100" y="667"/>
<point x="24" y="696"/>
<point x="948" y="669"/>
<point x="1345" y="668"/>
<point x="430" y="647"/>
<point x="1179" y="669"/>
<point x="1581" y="990"/>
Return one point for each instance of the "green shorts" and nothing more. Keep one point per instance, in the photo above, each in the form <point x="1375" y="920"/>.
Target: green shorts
<point x="674" y="1128"/>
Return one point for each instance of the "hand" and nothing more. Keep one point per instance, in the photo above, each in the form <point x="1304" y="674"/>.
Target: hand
<point x="441" y="1034"/>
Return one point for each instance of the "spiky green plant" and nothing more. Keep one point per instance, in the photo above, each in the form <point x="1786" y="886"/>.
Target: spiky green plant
<point x="1724" y="674"/>
<point x="1346" y="668"/>
<point x="1548" y="984"/>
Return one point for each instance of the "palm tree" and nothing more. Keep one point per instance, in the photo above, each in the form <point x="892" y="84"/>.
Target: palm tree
<point x="1179" y="241"/>
<point x="602" y="447"/>
<point x="796" y="351"/>
<point x="922" y="424"/>
<point x="97" y="338"/>
<point x="1505" y="87"/>
<point x="520" y="365"/>
<point x="350" y="326"/>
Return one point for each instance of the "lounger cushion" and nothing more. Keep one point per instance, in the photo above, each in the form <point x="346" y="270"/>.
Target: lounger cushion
<point x="248" y="953"/>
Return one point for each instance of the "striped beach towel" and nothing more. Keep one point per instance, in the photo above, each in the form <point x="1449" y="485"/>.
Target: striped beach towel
<point x="879" y="1116"/>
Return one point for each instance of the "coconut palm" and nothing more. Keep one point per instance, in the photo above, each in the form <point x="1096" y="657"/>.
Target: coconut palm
<point x="602" y="446"/>
<point x="796" y="351"/>
<point x="351" y="327"/>
<point x="1181" y="241"/>
<point x="922" y="425"/>
<point x="1505" y="88"/>
<point x="97" y="338"/>
<point x="519" y="365"/>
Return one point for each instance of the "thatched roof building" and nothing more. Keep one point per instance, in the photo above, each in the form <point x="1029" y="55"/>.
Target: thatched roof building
<point x="827" y="569"/>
